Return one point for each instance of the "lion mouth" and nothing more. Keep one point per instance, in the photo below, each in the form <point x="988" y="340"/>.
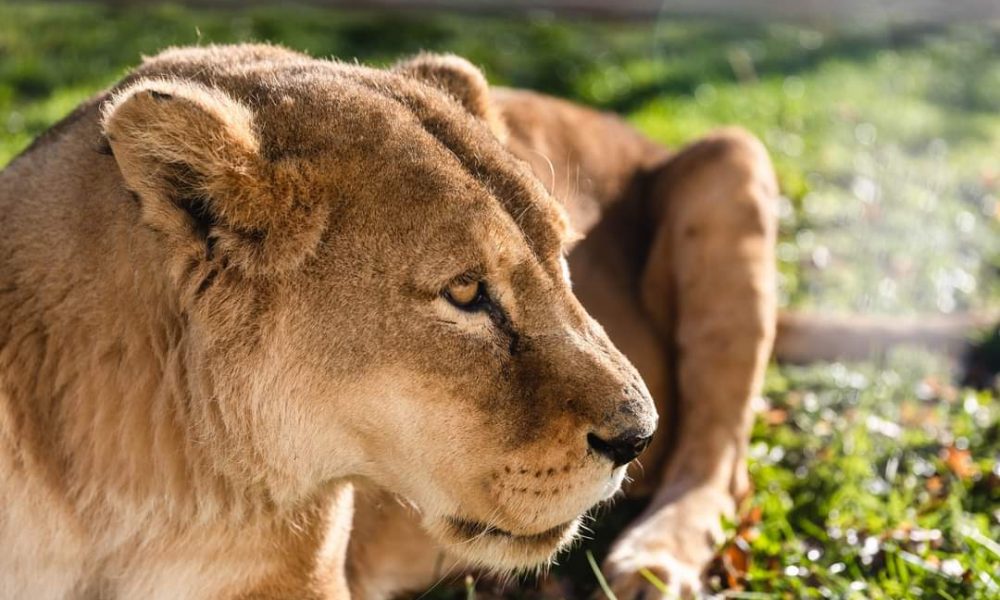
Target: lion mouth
<point x="469" y="529"/>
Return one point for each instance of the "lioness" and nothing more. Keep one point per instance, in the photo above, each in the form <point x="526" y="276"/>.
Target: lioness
<point x="244" y="283"/>
<point x="244" y="278"/>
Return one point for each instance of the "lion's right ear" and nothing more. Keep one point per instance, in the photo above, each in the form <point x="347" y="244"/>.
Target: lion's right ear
<point x="192" y="155"/>
<point x="461" y="80"/>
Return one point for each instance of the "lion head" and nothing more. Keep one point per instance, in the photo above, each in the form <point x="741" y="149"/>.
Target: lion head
<point x="373" y="287"/>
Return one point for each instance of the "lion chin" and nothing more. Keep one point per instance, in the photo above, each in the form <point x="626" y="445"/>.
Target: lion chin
<point x="500" y="550"/>
<point x="512" y="548"/>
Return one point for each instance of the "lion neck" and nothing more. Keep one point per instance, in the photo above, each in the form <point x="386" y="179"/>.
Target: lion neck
<point x="95" y="386"/>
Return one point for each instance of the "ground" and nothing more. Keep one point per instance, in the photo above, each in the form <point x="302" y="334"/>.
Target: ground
<point x="871" y="480"/>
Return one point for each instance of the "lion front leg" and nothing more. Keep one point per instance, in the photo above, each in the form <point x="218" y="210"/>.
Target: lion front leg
<point x="708" y="286"/>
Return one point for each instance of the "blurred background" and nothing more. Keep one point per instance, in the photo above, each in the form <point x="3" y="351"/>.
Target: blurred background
<point x="877" y="479"/>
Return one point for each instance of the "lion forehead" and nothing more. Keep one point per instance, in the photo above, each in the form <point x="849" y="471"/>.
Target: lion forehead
<point x="371" y="124"/>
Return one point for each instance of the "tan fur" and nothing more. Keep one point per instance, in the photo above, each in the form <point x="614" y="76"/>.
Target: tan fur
<point x="222" y="305"/>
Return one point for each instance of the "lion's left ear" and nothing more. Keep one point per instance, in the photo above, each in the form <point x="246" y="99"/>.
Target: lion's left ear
<point x="461" y="80"/>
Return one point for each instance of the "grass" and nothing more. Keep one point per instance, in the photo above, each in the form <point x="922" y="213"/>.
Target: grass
<point x="875" y="480"/>
<point x="872" y="480"/>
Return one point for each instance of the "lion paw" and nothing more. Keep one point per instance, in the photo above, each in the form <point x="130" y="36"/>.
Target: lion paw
<point x="664" y="553"/>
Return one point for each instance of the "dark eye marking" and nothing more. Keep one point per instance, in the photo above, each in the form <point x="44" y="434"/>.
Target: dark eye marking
<point x="474" y="297"/>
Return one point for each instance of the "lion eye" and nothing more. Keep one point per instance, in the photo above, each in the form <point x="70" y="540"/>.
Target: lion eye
<point x="465" y="294"/>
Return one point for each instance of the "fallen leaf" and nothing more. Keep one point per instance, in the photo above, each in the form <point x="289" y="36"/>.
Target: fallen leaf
<point x="959" y="462"/>
<point x="776" y="416"/>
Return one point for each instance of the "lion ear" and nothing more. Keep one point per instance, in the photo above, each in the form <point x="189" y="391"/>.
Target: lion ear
<point x="461" y="80"/>
<point x="192" y="156"/>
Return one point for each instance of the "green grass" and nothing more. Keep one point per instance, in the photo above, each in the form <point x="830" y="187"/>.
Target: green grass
<point x="875" y="480"/>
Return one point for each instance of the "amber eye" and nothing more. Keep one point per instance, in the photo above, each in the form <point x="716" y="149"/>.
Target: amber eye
<point x="465" y="294"/>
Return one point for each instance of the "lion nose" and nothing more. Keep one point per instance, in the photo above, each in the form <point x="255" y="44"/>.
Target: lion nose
<point x="622" y="449"/>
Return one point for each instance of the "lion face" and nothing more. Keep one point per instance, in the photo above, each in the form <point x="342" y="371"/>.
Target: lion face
<point x="376" y="288"/>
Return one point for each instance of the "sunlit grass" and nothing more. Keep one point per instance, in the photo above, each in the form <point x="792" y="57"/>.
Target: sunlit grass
<point x="875" y="480"/>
